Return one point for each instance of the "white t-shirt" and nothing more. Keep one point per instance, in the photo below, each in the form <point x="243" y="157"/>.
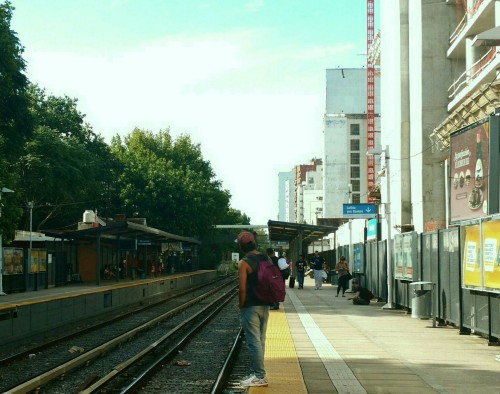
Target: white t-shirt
<point x="282" y="264"/>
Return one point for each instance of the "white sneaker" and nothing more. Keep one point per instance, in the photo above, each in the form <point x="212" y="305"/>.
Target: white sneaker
<point x="247" y="379"/>
<point x="254" y="381"/>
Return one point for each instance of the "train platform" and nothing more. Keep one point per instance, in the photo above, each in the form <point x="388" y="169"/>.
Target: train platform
<point x="318" y="344"/>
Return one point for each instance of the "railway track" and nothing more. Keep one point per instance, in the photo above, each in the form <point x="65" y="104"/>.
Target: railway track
<point x="74" y="364"/>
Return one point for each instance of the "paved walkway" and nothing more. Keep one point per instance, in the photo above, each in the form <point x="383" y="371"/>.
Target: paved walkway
<point x="344" y="348"/>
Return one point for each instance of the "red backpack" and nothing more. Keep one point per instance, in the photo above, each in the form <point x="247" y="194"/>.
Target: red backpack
<point x="269" y="286"/>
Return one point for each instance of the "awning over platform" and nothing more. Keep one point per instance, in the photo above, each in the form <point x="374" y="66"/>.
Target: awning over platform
<point x="285" y="231"/>
<point x="124" y="230"/>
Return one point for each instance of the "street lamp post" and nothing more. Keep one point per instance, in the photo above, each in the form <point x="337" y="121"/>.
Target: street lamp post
<point x="3" y="190"/>
<point x="377" y="152"/>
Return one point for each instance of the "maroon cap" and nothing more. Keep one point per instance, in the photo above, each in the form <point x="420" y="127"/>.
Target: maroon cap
<point x="245" y="237"/>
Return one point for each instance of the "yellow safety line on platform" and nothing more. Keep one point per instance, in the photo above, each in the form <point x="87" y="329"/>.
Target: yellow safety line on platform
<point x="282" y="364"/>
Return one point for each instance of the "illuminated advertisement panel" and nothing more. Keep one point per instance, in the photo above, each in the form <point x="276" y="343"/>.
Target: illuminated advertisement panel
<point x="491" y="255"/>
<point x="471" y="261"/>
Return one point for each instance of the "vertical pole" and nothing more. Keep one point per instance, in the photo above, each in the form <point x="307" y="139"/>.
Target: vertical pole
<point x="98" y="259"/>
<point x="1" y="250"/>
<point x="35" y="273"/>
<point x="389" y="304"/>
<point x="350" y="262"/>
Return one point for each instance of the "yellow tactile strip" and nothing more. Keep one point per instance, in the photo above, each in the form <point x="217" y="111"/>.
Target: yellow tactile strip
<point x="282" y="364"/>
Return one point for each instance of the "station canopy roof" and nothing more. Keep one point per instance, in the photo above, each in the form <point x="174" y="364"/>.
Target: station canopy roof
<point x="122" y="229"/>
<point x="286" y="231"/>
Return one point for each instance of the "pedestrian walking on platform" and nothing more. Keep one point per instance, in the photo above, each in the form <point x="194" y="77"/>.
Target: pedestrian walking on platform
<point x="317" y="264"/>
<point x="274" y="259"/>
<point x="301" y="269"/>
<point x="254" y="313"/>
<point x="342" y="269"/>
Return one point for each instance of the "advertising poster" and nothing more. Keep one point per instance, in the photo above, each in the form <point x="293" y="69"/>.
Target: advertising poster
<point x="407" y="257"/>
<point x="357" y="251"/>
<point x="34" y="261"/>
<point x="471" y="261"/>
<point x="13" y="261"/>
<point x="398" y="257"/>
<point x="8" y="261"/>
<point x="42" y="259"/>
<point x="469" y="166"/>
<point x="491" y="255"/>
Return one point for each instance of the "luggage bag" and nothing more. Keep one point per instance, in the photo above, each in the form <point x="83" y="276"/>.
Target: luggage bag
<point x="291" y="282"/>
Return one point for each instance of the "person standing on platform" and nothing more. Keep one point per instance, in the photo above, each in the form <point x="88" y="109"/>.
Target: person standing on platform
<point x="342" y="270"/>
<point x="254" y="314"/>
<point x="301" y="269"/>
<point x="274" y="260"/>
<point x="317" y="264"/>
<point x="284" y="267"/>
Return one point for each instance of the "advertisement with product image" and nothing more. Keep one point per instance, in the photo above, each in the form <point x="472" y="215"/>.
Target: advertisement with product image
<point x="469" y="172"/>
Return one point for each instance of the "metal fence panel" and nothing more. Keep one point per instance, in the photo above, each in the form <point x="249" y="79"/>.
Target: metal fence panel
<point x="455" y="285"/>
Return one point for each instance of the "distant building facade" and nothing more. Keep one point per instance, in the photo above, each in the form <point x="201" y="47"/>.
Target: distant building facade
<point x="345" y="134"/>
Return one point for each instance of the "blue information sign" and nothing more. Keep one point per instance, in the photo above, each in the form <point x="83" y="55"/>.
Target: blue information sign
<point x="359" y="211"/>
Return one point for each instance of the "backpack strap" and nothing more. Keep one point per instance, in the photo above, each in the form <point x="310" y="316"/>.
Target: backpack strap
<point x="253" y="261"/>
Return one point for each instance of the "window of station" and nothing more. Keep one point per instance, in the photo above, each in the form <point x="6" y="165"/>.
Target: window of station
<point x="355" y="172"/>
<point x="354" y="129"/>
<point x="355" y="158"/>
<point x="355" y="145"/>
<point x="355" y="185"/>
<point x="355" y="198"/>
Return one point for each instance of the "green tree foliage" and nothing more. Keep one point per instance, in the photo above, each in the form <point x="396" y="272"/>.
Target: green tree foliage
<point x="65" y="167"/>
<point x="15" y="124"/>
<point x="168" y="182"/>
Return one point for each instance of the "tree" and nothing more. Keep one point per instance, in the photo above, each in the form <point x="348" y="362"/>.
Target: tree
<point x="15" y="120"/>
<point x="65" y="167"/>
<point x="168" y="182"/>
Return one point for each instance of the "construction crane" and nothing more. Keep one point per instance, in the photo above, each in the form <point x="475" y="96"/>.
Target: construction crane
<point x="370" y="97"/>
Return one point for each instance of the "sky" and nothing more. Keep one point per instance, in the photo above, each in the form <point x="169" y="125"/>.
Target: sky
<point x="244" y="78"/>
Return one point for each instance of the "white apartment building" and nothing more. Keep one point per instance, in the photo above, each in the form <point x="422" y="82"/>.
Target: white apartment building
<point x="345" y="138"/>
<point x="310" y="196"/>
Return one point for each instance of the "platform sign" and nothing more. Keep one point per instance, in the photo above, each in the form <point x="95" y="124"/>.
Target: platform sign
<point x="359" y="211"/>
<point x="371" y="230"/>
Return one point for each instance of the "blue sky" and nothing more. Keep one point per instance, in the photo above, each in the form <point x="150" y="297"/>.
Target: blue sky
<point x="244" y="78"/>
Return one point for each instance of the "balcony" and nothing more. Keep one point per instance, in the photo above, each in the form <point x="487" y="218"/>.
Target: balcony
<point x="479" y="17"/>
<point x="483" y="71"/>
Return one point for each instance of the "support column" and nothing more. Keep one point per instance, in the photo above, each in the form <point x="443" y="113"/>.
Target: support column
<point x="406" y="214"/>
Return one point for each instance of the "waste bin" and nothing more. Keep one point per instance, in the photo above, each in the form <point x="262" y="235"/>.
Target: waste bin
<point x="421" y="302"/>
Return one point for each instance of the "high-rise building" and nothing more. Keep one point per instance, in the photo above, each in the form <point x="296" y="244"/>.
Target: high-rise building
<point x="345" y="136"/>
<point x="286" y="197"/>
<point x="415" y="77"/>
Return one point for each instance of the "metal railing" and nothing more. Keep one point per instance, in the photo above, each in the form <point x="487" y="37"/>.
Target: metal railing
<point x="470" y="74"/>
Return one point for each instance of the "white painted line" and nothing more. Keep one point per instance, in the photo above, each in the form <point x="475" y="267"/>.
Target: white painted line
<point x="341" y="375"/>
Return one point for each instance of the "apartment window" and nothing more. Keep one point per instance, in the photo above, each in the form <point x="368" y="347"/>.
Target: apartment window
<point x="355" y="172"/>
<point x="355" y="185"/>
<point x="355" y="129"/>
<point x="355" y="198"/>
<point x="354" y="145"/>
<point x="355" y="158"/>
